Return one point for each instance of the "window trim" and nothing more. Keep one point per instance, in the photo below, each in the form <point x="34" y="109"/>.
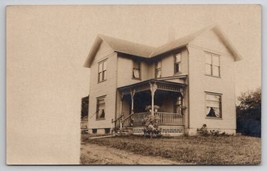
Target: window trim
<point x="205" y="106"/>
<point x="158" y="69"/>
<point x="139" y="63"/>
<point x="98" y="73"/>
<point x="208" y="52"/>
<point x="97" y="99"/>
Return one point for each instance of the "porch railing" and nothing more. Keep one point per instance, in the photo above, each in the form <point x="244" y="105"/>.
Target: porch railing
<point x="165" y="118"/>
<point x="139" y="118"/>
<point x="170" y="118"/>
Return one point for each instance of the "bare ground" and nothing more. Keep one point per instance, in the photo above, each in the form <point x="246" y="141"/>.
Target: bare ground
<point x="92" y="154"/>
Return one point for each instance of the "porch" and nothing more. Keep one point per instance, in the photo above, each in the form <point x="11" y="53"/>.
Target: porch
<point x="162" y="99"/>
<point x="165" y="118"/>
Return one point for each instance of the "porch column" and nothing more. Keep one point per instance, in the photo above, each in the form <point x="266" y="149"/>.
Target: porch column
<point x="121" y="103"/>
<point x="121" y="107"/>
<point x="182" y="101"/>
<point x="132" y="100"/>
<point x="153" y="88"/>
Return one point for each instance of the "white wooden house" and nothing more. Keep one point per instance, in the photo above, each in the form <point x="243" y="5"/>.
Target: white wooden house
<point x="190" y="80"/>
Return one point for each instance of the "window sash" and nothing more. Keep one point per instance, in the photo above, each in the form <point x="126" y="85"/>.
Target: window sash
<point x="136" y="73"/>
<point x="208" y="69"/>
<point x="177" y="62"/>
<point x="102" y="71"/>
<point x="136" y="70"/>
<point x="176" y="67"/>
<point x="100" y="110"/>
<point x="216" y="71"/>
<point x="213" y="101"/>
<point x="217" y="112"/>
<point x="178" y="58"/>
<point x="212" y="64"/>
<point x="158" y="69"/>
<point x="158" y="73"/>
<point x="215" y="60"/>
<point x="213" y="97"/>
<point x="208" y="58"/>
<point x="136" y="65"/>
<point x="158" y="65"/>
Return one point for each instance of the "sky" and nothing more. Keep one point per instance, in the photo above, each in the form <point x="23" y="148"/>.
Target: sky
<point x="47" y="47"/>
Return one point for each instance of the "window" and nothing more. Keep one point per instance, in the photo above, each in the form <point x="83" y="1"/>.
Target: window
<point x="158" y="69"/>
<point x="102" y="71"/>
<point x="107" y="130"/>
<point x="100" y="109"/>
<point x="213" y="105"/>
<point x="136" y="70"/>
<point x="212" y="64"/>
<point x="177" y="63"/>
<point x="94" y="131"/>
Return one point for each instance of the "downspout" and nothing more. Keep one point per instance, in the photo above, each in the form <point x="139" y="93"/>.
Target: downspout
<point x="116" y="98"/>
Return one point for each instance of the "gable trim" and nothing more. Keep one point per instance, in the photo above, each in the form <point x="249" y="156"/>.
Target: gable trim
<point x="150" y="52"/>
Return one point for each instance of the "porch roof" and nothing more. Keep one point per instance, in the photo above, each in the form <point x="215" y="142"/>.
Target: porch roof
<point x="145" y="85"/>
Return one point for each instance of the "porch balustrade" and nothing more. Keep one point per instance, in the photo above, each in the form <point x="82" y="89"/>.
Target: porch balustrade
<point x="165" y="118"/>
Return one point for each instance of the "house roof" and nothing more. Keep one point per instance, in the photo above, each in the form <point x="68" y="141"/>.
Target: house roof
<point x="147" y="84"/>
<point x="144" y="51"/>
<point x="127" y="47"/>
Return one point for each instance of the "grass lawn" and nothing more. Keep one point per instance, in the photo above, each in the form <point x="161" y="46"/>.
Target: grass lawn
<point x="211" y="150"/>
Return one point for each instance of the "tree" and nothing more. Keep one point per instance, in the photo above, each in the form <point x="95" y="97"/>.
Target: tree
<point x="249" y="113"/>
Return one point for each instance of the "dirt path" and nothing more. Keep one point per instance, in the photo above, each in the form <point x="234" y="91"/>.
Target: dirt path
<point x="103" y="155"/>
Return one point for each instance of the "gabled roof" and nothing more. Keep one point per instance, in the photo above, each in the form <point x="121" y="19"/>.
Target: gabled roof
<point x="127" y="47"/>
<point x="144" y="51"/>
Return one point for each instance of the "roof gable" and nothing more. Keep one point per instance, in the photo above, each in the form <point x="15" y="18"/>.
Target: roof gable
<point x="127" y="47"/>
<point x="228" y="44"/>
<point x="136" y="49"/>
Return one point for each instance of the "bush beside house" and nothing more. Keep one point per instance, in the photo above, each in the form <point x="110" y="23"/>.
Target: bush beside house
<point x="249" y="113"/>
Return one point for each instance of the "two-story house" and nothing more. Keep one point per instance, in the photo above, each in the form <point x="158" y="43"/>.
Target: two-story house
<point x="187" y="82"/>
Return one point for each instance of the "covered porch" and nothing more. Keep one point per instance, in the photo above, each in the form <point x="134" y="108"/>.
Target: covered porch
<point x="164" y="99"/>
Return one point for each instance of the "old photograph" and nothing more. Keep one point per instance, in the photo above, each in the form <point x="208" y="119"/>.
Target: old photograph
<point x="134" y="84"/>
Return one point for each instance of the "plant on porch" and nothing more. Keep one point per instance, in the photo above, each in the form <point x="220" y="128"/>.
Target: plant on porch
<point x="151" y="123"/>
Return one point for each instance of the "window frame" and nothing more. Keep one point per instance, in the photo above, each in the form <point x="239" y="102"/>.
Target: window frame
<point x="94" y="131"/>
<point x="157" y="69"/>
<point x="102" y="72"/>
<point x="220" y="105"/>
<point x="97" y="107"/>
<point x="138" y="69"/>
<point x="107" y="130"/>
<point x="212" y="65"/>
<point x="177" y="63"/>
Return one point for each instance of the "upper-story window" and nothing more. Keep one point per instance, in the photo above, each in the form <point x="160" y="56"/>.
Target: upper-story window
<point x="177" y="63"/>
<point x="158" y="69"/>
<point x="212" y="64"/>
<point x="213" y="105"/>
<point x="136" y="70"/>
<point x="102" y="71"/>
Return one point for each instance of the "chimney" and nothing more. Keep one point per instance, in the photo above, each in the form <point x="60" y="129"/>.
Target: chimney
<point x="171" y="34"/>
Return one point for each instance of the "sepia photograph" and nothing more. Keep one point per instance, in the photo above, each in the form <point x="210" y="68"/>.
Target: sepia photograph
<point x="98" y="85"/>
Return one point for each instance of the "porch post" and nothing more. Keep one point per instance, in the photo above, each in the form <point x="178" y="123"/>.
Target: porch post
<point x="121" y="107"/>
<point x="132" y="100"/>
<point x="182" y="100"/>
<point x="153" y="88"/>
